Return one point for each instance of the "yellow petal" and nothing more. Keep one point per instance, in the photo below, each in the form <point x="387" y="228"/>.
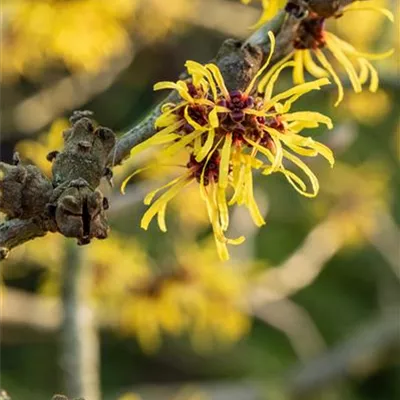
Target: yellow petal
<point x="298" y="71"/>
<point x="205" y="149"/>
<point x="313" y="179"/>
<point x="238" y="186"/>
<point x="163" y="200"/>
<point x="223" y="208"/>
<point x="364" y="71"/>
<point x="192" y="122"/>
<point x="327" y="65"/>
<point x="161" y="218"/>
<point x="374" y="83"/>
<point x="130" y="176"/>
<point x="219" y="79"/>
<point x="314" y="69"/>
<point x="251" y="203"/>
<point x="308" y="116"/>
<point x="157" y="139"/>
<point x="164" y="85"/>
<point x="336" y="49"/>
<point x="265" y="79"/>
<point x="224" y="163"/>
<point x="213" y="118"/>
<point x="180" y="144"/>
<point x="201" y="71"/>
<point x="297" y="91"/>
<point x="263" y="150"/>
<point x="150" y="196"/>
<point x="262" y="69"/>
<point x="274" y="77"/>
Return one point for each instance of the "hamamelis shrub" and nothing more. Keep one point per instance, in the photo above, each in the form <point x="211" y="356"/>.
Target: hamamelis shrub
<point x="227" y="135"/>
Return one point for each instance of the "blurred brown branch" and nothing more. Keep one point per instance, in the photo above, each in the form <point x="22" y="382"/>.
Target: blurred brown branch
<point x="358" y="355"/>
<point x="33" y="113"/>
<point x="79" y="346"/>
<point x="16" y="232"/>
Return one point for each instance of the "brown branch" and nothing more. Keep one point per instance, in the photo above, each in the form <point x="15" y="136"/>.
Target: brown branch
<point x="17" y="231"/>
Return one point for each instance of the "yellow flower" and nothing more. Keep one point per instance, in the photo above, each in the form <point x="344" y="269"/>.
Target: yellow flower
<point x="224" y="132"/>
<point x="356" y="197"/>
<point x="368" y="108"/>
<point x="193" y="297"/>
<point x="270" y="7"/>
<point x="309" y="54"/>
<point x="83" y="34"/>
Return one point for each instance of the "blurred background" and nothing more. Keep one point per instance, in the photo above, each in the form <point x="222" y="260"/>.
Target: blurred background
<point x="307" y="308"/>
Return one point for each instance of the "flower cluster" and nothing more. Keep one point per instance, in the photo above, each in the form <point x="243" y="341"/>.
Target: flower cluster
<point x="227" y="135"/>
<point x="309" y="53"/>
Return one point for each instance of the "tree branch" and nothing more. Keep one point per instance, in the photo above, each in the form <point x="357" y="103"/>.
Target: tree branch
<point x="17" y="231"/>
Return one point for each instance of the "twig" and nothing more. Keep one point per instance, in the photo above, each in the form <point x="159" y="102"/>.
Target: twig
<point x="17" y="231"/>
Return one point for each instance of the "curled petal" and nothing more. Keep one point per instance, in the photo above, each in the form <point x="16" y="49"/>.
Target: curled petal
<point x="327" y="65"/>
<point x="224" y="163"/>
<point x="309" y="116"/>
<point x="162" y="201"/>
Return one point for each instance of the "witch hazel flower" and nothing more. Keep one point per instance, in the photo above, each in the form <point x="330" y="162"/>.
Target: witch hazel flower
<point x="227" y="135"/>
<point x="314" y="46"/>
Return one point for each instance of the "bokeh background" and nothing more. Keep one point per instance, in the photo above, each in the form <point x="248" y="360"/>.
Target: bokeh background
<point x="307" y="308"/>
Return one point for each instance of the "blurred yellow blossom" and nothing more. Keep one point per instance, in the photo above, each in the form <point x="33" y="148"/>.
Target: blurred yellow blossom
<point x="36" y="151"/>
<point x="84" y="34"/>
<point x="192" y="294"/>
<point x="32" y="253"/>
<point x="363" y="35"/>
<point x="356" y="196"/>
<point x="199" y="296"/>
<point x="368" y="108"/>
<point x="81" y="33"/>
<point x="130" y="396"/>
